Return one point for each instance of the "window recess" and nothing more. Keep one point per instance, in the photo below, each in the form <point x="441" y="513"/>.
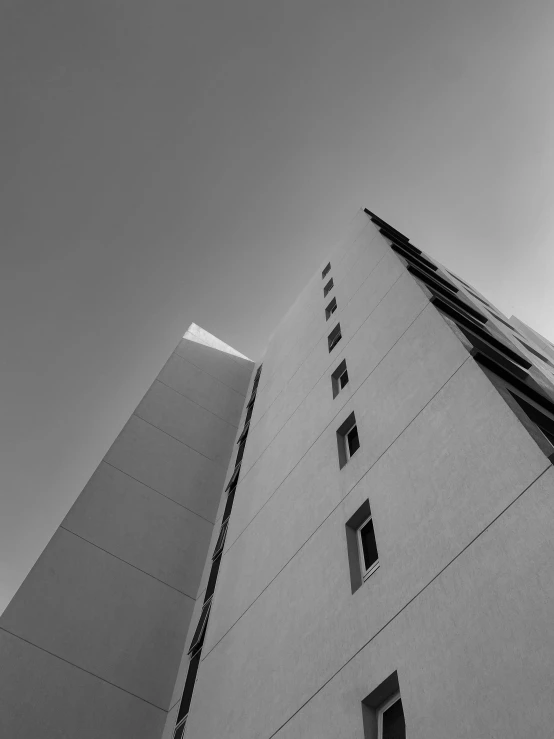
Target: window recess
<point x="234" y="479"/>
<point x="348" y="440"/>
<point x="328" y="287"/>
<point x="534" y="410"/>
<point x="534" y="351"/>
<point x="244" y="434"/>
<point x="383" y="713"/>
<point x="417" y="259"/>
<point x="367" y="548"/>
<point x="339" y="378"/>
<point x="436" y="287"/>
<point x="334" y="337"/>
<point x="187" y="696"/>
<point x="326" y="271"/>
<point x="483" y="340"/>
<point x="330" y="309"/>
<point x="199" y="634"/>
<point x="229" y="504"/>
<point x="240" y="453"/>
<point x="363" y="558"/>
<point x="220" y="543"/>
<point x="384" y="225"/>
<point x="214" y="571"/>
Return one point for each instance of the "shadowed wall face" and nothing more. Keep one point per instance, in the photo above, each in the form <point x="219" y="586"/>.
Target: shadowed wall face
<point x="91" y="643"/>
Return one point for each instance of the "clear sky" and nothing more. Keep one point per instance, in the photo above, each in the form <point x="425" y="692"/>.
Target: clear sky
<point x="173" y="161"/>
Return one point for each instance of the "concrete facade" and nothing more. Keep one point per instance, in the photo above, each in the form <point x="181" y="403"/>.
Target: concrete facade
<point x="460" y="491"/>
<point x="91" y="644"/>
<point x="454" y="410"/>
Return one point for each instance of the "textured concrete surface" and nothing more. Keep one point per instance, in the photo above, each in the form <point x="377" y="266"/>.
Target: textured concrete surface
<point x="92" y="642"/>
<point x="448" y="470"/>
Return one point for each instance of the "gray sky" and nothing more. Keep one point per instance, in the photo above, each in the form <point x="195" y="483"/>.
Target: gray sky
<point x="179" y="160"/>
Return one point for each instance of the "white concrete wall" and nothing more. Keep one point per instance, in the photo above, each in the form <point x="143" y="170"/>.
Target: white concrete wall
<point x="91" y="644"/>
<point x="462" y="503"/>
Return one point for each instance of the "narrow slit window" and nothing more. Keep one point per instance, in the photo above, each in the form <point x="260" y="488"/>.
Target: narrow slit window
<point x="334" y="337"/>
<point x="198" y="638"/>
<point x="212" y="580"/>
<point x="339" y="378"/>
<point x="331" y="308"/>
<point x="326" y="271"/>
<point x="240" y="453"/>
<point x="229" y="504"/>
<point x="328" y="287"/>
<point x="367" y="548"/>
<point x="186" y="697"/>
<point x="348" y="439"/>
<point x="220" y="543"/>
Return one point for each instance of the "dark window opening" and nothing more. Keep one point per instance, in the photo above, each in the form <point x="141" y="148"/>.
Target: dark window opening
<point x="348" y="440"/>
<point x="543" y="421"/>
<point x="391" y="720"/>
<point x="240" y="453"/>
<point x="331" y="308"/>
<point x="368" y="548"/>
<point x="382" y="711"/>
<point x="234" y="478"/>
<point x="328" y="287"/>
<point x="326" y="271"/>
<point x="436" y="287"/>
<point x="353" y="441"/>
<point x="416" y="259"/>
<point x="244" y="434"/>
<point x="220" y="543"/>
<point x="229" y="504"/>
<point x="483" y="340"/>
<point x="334" y="337"/>
<point x="339" y="378"/>
<point x="212" y="579"/>
<point x="198" y="638"/>
<point x="187" y="693"/>
<point x="534" y="351"/>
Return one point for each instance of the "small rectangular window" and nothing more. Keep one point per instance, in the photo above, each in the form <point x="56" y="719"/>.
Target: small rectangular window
<point x="382" y="711"/>
<point x="220" y="543"/>
<point x="334" y="337"/>
<point x="331" y="308"/>
<point x="348" y="439"/>
<point x="367" y="548"/>
<point x="326" y="271"/>
<point x="339" y="378"/>
<point x="363" y="557"/>
<point x="328" y="287"/>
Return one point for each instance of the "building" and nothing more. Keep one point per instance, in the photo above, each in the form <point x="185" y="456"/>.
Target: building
<point x="380" y="560"/>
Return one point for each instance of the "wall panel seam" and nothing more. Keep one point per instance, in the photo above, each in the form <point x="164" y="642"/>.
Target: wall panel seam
<point x="209" y="373"/>
<point x="130" y="564"/>
<point x="335" y="508"/>
<point x="179" y="440"/>
<point x="190" y="400"/>
<point x="460" y="553"/>
<point x="338" y="312"/>
<point x="78" y="667"/>
<point x="324" y="429"/>
<point x="157" y="491"/>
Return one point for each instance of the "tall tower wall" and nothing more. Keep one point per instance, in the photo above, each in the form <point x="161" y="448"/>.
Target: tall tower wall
<point x="90" y="645"/>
